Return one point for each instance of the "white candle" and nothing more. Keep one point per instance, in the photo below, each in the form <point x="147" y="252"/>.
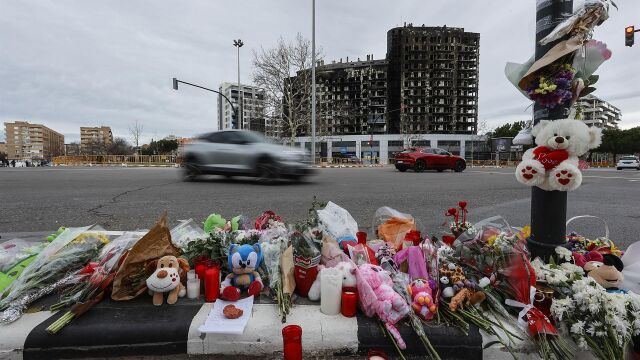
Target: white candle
<point x="191" y="274"/>
<point x="330" y="291"/>
<point x="193" y="288"/>
<point x="376" y="357"/>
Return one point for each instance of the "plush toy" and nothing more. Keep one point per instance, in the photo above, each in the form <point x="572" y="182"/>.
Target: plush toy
<point x="166" y="278"/>
<point x="422" y="295"/>
<point x="607" y="273"/>
<point x="377" y="297"/>
<point x="243" y="262"/>
<point x="348" y="270"/>
<point x="553" y="164"/>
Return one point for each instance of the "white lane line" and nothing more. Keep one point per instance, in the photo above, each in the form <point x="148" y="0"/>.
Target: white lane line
<point x="584" y="176"/>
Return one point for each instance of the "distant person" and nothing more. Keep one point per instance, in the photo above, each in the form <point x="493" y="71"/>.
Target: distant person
<point x="13" y="163"/>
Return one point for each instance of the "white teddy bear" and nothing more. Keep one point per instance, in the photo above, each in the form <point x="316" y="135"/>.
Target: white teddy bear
<point x="553" y="164"/>
<point x="348" y="270"/>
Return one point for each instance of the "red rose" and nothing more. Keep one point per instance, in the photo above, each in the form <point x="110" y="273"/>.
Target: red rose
<point x="448" y="239"/>
<point x="462" y="204"/>
<point x="452" y="211"/>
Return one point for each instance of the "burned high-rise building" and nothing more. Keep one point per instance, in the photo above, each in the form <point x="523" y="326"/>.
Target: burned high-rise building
<point x="432" y="80"/>
<point x="428" y="83"/>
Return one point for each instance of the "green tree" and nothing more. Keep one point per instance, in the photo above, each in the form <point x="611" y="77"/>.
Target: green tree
<point x="618" y="142"/>
<point x="508" y="129"/>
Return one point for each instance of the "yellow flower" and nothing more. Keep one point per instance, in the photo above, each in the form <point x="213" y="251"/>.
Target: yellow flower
<point x="492" y="239"/>
<point x="525" y="232"/>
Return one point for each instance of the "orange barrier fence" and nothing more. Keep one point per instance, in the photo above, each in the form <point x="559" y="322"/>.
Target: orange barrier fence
<point x="167" y="160"/>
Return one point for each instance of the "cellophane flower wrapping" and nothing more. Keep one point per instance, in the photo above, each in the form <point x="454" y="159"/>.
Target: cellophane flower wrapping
<point x="54" y="267"/>
<point x="98" y="275"/>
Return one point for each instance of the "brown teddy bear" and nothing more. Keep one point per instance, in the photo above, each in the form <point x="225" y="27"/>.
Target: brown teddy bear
<point x="165" y="277"/>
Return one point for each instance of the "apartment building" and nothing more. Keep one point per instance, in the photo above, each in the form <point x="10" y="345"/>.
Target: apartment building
<point x="27" y="141"/>
<point x="250" y="108"/>
<point x="597" y="112"/>
<point x="95" y="140"/>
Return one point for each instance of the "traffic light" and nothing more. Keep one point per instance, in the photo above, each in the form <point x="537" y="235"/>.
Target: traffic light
<point x="628" y="35"/>
<point x="175" y="84"/>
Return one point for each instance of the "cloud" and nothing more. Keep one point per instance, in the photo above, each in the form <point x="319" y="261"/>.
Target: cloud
<point x="69" y="63"/>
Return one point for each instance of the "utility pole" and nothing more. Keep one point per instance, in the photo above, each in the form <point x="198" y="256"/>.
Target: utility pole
<point x="548" y="208"/>
<point x="313" y="81"/>
<point x="238" y="43"/>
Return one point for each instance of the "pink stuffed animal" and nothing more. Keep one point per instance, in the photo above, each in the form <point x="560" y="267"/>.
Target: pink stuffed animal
<point x="377" y="297"/>
<point x="422" y="296"/>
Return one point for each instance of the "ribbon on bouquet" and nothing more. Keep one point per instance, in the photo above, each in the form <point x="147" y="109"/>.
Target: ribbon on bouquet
<point x="536" y="321"/>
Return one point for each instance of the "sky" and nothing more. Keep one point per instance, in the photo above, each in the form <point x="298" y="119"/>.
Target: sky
<point x="67" y="64"/>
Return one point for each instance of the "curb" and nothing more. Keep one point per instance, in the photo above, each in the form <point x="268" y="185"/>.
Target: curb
<point x="138" y="329"/>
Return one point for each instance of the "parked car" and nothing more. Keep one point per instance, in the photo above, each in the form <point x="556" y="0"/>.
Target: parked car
<point x="628" y="162"/>
<point x="243" y="153"/>
<point x="421" y="159"/>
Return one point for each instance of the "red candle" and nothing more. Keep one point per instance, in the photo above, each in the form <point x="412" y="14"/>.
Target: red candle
<point x="362" y="237"/>
<point x="349" y="300"/>
<point x="201" y="266"/>
<point x="292" y="341"/>
<point x="211" y="284"/>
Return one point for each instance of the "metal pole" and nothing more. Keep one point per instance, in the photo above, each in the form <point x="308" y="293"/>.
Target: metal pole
<point x="240" y="124"/>
<point x="313" y="81"/>
<point x="548" y="208"/>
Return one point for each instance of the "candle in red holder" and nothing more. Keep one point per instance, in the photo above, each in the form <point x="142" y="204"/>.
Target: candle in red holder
<point x="200" y="267"/>
<point x="362" y="237"/>
<point x="349" y="300"/>
<point x="292" y="341"/>
<point x="377" y="355"/>
<point x="211" y="283"/>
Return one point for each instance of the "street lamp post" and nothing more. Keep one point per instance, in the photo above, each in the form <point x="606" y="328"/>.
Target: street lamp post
<point x="175" y="87"/>
<point x="313" y="81"/>
<point x="548" y="208"/>
<point x="238" y="43"/>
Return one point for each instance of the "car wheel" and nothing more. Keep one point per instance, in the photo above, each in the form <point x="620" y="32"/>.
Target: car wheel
<point x="440" y="170"/>
<point x="401" y="168"/>
<point x="619" y="168"/>
<point x="460" y="166"/>
<point x="420" y="166"/>
<point x="267" y="171"/>
<point x="190" y="172"/>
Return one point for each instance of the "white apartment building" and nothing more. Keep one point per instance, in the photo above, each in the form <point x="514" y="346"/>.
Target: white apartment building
<point x="597" y="112"/>
<point x="251" y="107"/>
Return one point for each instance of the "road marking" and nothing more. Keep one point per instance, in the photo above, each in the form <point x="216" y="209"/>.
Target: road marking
<point x="584" y="176"/>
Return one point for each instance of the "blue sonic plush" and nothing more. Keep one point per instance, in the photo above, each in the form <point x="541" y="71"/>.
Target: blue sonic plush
<point x="243" y="262"/>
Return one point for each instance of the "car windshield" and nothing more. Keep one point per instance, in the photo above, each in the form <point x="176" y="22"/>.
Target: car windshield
<point x="254" y="137"/>
<point x="628" y="158"/>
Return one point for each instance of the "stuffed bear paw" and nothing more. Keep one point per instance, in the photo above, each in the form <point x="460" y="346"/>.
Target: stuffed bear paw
<point x="231" y="293"/>
<point x="565" y="177"/>
<point x="530" y="172"/>
<point x="254" y="288"/>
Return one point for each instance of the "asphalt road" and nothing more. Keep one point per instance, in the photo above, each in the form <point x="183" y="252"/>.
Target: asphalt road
<point x="42" y="199"/>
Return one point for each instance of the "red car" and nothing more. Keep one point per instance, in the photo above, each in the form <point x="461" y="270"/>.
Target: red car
<point x="421" y="159"/>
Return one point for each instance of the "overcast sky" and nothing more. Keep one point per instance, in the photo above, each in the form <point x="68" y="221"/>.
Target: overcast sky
<point x="67" y="64"/>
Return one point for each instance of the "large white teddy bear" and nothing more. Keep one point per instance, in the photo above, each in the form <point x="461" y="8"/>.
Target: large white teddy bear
<point x="553" y="164"/>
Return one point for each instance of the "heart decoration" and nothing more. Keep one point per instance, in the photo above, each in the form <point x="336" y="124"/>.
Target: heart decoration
<point x="549" y="158"/>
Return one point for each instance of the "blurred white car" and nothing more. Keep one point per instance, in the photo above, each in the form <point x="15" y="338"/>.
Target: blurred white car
<point x="244" y="153"/>
<point x="628" y="162"/>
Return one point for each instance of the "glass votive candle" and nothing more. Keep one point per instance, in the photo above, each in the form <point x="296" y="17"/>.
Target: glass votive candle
<point x="191" y="274"/>
<point x="375" y="354"/>
<point x="193" y="288"/>
<point x="292" y="342"/>
<point x="349" y="302"/>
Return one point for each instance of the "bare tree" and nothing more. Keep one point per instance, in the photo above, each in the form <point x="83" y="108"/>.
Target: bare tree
<point x="119" y="146"/>
<point x="135" y="130"/>
<point x="284" y="73"/>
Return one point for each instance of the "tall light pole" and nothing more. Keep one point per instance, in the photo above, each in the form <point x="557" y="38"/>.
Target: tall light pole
<point x="548" y="208"/>
<point x="238" y="43"/>
<point x="313" y="81"/>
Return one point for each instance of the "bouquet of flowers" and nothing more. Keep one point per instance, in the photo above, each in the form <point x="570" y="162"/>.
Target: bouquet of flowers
<point x="96" y="279"/>
<point x="53" y="268"/>
<point x="275" y="243"/>
<point x="459" y="224"/>
<point x="554" y="87"/>
<point x="598" y="320"/>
